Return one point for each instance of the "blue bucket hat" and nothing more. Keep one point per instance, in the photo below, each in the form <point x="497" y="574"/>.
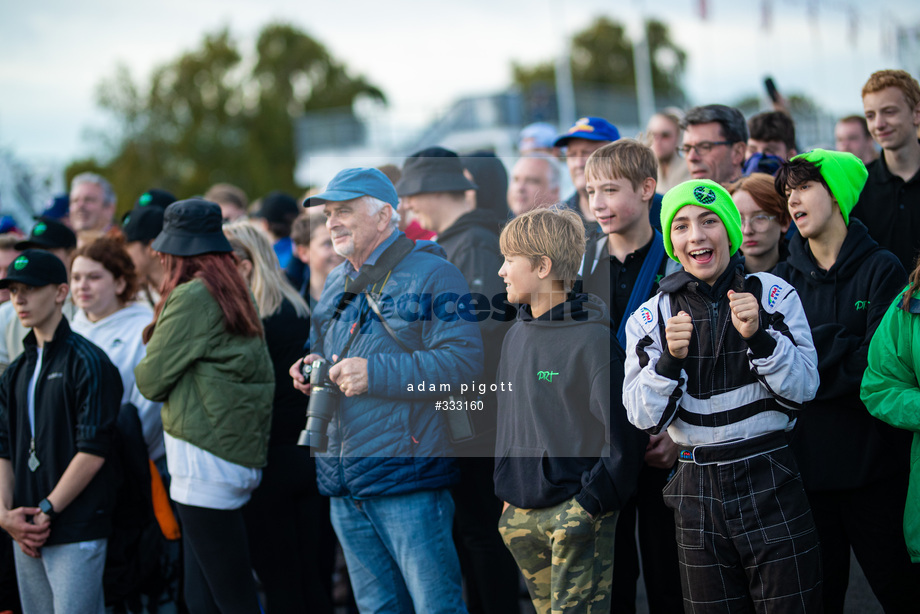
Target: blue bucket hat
<point x="590" y="129"/>
<point x="355" y="183"/>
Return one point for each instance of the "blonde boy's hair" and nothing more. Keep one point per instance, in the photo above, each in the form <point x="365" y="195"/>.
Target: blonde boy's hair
<point x="623" y="159"/>
<point x="558" y="234"/>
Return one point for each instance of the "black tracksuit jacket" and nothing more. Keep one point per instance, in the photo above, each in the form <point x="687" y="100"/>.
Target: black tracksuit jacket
<point x="77" y="398"/>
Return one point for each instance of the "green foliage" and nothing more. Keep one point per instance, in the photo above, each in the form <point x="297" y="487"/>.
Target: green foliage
<point x="602" y="54"/>
<point x="205" y="117"/>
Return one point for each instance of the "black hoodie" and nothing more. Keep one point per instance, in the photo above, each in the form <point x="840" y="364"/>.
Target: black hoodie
<point x="471" y="245"/>
<point x="837" y="443"/>
<point x="562" y="427"/>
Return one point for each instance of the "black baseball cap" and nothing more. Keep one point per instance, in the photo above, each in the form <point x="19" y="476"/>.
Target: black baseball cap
<point x="35" y="267"/>
<point x="48" y="233"/>
<point x="143" y="224"/>
<point x="155" y="198"/>
<point x="278" y="208"/>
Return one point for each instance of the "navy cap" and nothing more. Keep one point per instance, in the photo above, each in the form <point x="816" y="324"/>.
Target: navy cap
<point x="49" y="233"/>
<point x="190" y="228"/>
<point x="355" y="183"/>
<point x="35" y="267"/>
<point x="591" y="129"/>
<point x="58" y="207"/>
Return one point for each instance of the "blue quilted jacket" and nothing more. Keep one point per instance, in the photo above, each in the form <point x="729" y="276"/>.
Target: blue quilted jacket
<point x="391" y="440"/>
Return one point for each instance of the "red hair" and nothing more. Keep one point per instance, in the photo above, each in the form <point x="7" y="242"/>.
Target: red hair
<point x="218" y="272"/>
<point x="110" y="252"/>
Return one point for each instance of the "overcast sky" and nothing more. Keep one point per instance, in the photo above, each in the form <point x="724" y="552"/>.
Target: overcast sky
<point x="53" y="54"/>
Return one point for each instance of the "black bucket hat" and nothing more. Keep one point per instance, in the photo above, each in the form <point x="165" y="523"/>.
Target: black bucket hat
<point x="190" y="228"/>
<point x="433" y="170"/>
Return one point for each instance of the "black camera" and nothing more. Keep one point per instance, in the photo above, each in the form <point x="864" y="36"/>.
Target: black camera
<point x="324" y="402"/>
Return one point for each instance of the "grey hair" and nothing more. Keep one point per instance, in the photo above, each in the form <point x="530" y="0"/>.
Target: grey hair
<point x="108" y="194"/>
<point x="555" y="168"/>
<point x="734" y="128"/>
<point x="374" y="205"/>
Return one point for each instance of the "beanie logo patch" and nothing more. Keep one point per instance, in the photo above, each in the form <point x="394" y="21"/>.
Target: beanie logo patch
<point x="704" y="195"/>
<point x="20" y="263"/>
<point x="774" y="294"/>
<point x="39" y="229"/>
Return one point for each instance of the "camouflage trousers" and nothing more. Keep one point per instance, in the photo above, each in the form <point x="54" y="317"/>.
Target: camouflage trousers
<point x="565" y="555"/>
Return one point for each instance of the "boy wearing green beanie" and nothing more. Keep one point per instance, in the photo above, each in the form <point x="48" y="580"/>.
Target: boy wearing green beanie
<point x="846" y="282"/>
<point x="724" y="362"/>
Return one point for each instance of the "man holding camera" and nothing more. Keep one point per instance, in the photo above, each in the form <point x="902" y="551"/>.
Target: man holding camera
<point x="387" y="320"/>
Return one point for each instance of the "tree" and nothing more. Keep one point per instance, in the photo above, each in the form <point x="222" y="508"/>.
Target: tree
<point x="203" y="118"/>
<point x="602" y="55"/>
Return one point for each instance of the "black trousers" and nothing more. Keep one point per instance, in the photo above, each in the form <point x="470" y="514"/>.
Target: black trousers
<point x="291" y="540"/>
<point x="9" y="589"/>
<point x="656" y="544"/>
<point x="747" y="541"/>
<point x="869" y="519"/>
<point x="218" y="578"/>
<point x="491" y="575"/>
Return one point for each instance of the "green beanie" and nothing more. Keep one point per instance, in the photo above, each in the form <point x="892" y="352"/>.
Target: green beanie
<point x="702" y="193"/>
<point x="844" y="174"/>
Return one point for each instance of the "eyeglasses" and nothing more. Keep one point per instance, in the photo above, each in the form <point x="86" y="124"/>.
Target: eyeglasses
<point x="701" y="148"/>
<point x="758" y="222"/>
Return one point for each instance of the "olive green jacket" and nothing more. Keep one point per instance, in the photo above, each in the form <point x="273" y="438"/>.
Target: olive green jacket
<point x="891" y="393"/>
<point x="217" y="388"/>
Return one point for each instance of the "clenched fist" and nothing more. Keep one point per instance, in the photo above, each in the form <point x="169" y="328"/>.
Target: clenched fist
<point x="677" y="331"/>
<point x="745" y="312"/>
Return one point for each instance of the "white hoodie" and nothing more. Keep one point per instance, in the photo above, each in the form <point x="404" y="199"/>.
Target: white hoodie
<point x="120" y="337"/>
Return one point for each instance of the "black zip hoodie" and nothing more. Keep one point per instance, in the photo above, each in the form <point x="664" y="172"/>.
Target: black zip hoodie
<point x="837" y="443"/>
<point x="562" y="427"/>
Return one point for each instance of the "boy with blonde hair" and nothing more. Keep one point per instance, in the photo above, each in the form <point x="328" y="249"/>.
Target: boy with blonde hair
<point x="568" y="458"/>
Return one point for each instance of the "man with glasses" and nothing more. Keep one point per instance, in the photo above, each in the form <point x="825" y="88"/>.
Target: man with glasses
<point x="663" y="133"/>
<point x="715" y="141"/>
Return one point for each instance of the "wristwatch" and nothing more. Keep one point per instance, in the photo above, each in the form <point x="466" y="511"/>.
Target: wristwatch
<point x="47" y="509"/>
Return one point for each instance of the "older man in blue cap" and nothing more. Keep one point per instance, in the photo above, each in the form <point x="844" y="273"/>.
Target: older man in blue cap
<point x="387" y="323"/>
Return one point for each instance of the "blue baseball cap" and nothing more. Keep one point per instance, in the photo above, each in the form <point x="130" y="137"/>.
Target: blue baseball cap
<point x="591" y="129"/>
<point x="355" y="183"/>
<point x="539" y="135"/>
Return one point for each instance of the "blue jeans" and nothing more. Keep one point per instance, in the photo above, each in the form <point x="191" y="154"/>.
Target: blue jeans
<point x="400" y="553"/>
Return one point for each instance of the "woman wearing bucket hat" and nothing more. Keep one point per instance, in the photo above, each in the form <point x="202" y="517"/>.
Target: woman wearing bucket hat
<point x="208" y="362"/>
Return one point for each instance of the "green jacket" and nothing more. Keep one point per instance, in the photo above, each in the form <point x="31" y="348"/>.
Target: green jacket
<point x="217" y="388"/>
<point x="891" y="393"/>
